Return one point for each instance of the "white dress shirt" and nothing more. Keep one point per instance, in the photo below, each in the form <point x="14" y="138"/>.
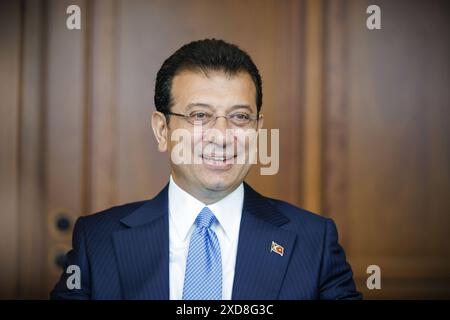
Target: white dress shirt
<point x="183" y="210"/>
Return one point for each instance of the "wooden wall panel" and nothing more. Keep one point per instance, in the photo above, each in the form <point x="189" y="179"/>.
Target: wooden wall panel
<point x="31" y="215"/>
<point x="140" y="169"/>
<point x="66" y="110"/>
<point x="396" y="145"/>
<point x="335" y="117"/>
<point x="10" y="35"/>
<point x="312" y="115"/>
<point x="285" y="111"/>
<point x="103" y="113"/>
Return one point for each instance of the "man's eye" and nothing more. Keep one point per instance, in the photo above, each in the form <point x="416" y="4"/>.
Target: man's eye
<point x="199" y="115"/>
<point x="240" y="116"/>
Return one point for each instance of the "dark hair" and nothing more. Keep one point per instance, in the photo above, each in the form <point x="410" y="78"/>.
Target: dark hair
<point x="204" y="55"/>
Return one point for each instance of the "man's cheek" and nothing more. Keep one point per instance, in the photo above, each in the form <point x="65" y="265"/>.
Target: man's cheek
<point x="246" y="149"/>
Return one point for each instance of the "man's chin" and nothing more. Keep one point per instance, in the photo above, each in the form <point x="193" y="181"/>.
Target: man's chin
<point x="218" y="183"/>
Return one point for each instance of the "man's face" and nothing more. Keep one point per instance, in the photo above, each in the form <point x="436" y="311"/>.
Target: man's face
<point x="214" y="148"/>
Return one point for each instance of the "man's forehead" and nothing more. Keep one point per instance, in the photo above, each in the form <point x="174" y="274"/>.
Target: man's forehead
<point x="213" y="89"/>
<point x="212" y="77"/>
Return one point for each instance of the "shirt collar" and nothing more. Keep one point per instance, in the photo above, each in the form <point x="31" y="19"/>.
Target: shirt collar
<point x="184" y="208"/>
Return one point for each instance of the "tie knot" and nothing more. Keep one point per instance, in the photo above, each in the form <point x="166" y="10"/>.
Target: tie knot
<point x="205" y="218"/>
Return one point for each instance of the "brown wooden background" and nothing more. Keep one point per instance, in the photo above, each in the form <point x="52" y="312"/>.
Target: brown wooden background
<point x="363" y="118"/>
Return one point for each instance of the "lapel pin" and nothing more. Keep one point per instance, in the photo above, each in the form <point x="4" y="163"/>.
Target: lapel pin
<point x="277" y="248"/>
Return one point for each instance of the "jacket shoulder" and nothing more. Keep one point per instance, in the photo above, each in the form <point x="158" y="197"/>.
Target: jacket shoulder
<point x="112" y="215"/>
<point x="298" y="215"/>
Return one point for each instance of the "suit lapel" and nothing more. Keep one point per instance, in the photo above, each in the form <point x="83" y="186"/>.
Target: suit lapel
<point x="259" y="272"/>
<point x="142" y="251"/>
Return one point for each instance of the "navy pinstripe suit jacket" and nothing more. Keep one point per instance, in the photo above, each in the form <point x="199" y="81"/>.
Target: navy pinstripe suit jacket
<point x="123" y="253"/>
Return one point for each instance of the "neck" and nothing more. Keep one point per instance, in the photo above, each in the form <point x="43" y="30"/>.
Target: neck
<point x="206" y="196"/>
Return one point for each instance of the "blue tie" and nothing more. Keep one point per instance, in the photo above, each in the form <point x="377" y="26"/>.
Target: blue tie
<point x="203" y="277"/>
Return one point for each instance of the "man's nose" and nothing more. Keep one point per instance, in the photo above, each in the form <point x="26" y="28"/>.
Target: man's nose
<point x="221" y="123"/>
<point x="218" y="133"/>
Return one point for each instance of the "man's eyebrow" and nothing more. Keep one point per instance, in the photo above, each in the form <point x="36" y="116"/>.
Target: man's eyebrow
<point x="197" y="104"/>
<point x="205" y="105"/>
<point x="241" y="106"/>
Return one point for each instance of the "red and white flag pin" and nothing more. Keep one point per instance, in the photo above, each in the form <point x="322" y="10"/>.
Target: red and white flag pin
<point x="277" y="248"/>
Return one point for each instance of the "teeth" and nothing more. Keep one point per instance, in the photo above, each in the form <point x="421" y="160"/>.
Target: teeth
<point x="215" y="158"/>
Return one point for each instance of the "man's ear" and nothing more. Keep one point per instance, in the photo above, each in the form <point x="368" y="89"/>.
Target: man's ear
<point x="160" y="130"/>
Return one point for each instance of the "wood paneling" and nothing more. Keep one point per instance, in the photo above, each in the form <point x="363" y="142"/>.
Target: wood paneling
<point x="394" y="85"/>
<point x="10" y="54"/>
<point x="31" y="215"/>
<point x="65" y="126"/>
<point x="312" y="116"/>
<point x="287" y="108"/>
<point x="335" y="117"/>
<point x="103" y="114"/>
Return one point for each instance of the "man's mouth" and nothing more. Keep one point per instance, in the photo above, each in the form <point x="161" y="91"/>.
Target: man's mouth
<point x="213" y="157"/>
<point x="214" y="161"/>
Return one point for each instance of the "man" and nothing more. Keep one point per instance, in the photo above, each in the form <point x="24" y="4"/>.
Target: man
<point x="207" y="235"/>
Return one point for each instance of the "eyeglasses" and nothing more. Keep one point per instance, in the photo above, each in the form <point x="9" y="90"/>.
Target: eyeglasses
<point x="238" y="119"/>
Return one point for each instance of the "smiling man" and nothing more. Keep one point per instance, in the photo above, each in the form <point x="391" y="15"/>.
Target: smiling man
<point x="207" y="234"/>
